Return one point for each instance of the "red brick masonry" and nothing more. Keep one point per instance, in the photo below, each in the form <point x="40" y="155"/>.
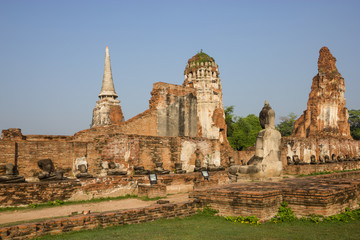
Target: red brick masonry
<point x="105" y="219"/>
<point x="37" y="192"/>
<point x="152" y="191"/>
<point x="325" y="195"/>
<point x="320" y="195"/>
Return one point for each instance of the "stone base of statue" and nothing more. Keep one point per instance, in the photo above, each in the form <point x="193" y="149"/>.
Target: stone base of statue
<point x="84" y="175"/>
<point x="140" y="170"/>
<point x="53" y="176"/>
<point x="83" y="171"/>
<point x="116" y="172"/>
<point x="159" y="169"/>
<point x="11" y="179"/>
<point x="11" y="175"/>
<point x="199" y="169"/>
<point x="214" y="168"/>
<point x="178" y="168"/>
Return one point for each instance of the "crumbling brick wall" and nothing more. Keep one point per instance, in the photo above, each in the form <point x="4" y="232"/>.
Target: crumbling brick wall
<point x="319" y="147"/>
<point x="104" y="144"/>
<point x="104" y="219"/>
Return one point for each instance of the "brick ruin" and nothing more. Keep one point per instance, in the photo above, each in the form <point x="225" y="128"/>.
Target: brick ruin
<point x="322" y="133"/>
<point x="183" y="123"/>
<point x="318" y="195"/>
<point x="184" y="131"/>
<point x="326" y="114"/>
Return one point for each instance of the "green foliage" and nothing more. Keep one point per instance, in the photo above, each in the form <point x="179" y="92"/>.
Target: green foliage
<point x="55" y="203"/>
<point x="207" y="211"/>
<point x="285" y="214"/>
<point x="327" y="172"/>
<point x="242" y="131"/>
<point x="34" y="205"/>
<point x="312" y="218"/>
<point x="245" y="131"/>
<point x="229" y="119"/>
<point x="345" y="217"/>
<point x="354" y="120"/>
<point x="315" y="174"/>
<point x="286" y="126"/>
<point x="203" y="57"/>
<point x="245" y="220"/>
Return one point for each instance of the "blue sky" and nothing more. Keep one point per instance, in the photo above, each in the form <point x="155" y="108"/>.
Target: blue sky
<point x="52" y="54"/>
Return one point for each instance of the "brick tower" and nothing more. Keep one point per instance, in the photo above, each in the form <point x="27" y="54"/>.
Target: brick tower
<point x="326" y="114"/>
<point x="202" y="73"/>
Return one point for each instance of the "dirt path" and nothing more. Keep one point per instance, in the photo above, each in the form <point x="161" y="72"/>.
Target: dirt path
<point x="60" y="211"/>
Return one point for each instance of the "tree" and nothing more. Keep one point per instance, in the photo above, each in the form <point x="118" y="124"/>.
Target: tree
<point x="286" y="126"/>
<point x="242" y="131"/>
<point x="229" y="116"/>
<point x="354" y="120"/>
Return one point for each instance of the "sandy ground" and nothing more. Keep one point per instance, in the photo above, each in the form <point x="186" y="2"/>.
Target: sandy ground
<point x="60" y="211"/>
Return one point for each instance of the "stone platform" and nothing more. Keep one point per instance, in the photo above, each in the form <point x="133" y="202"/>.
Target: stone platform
<point x="18" y="194"/>
<point x="320" y="195"/>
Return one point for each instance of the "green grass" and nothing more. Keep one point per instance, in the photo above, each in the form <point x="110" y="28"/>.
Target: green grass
<point x="327" y="172"/>
<point x="63" y="203"/>
<point x="205" y="226"/>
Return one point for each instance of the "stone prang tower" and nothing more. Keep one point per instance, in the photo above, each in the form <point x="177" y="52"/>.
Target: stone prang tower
<point x="107" y="110"/>
<point x="202" y="73"/>
<point x="326" y="114"/>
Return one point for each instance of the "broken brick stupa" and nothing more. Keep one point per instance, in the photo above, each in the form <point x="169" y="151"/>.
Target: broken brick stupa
<point x="326" y="114"/>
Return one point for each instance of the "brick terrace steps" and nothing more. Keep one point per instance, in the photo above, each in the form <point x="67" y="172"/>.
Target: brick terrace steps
<point x="323" y="195"/>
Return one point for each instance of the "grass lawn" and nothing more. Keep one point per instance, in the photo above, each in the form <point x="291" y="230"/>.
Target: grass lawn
<point x="213" y="227"/>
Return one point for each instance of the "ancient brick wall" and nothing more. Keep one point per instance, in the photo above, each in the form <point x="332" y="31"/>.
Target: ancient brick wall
<point x="109" y="186"/>
<point x="304" y="148"/>
<point x="172" y="112"/>
<point x="317" y="168"/>
<point x="95" y="220"/>
<point x="133" y="150"/>
<point x="142" y="124"/>
<point x="176" y="108"/>
<point x="25" y="193"/>
<point x="7" y="151"/>
<point x="106" y="144"/>
<point x="240" y="156"/>
<point x="25" y="155"/>
<point x="152" y="191"/>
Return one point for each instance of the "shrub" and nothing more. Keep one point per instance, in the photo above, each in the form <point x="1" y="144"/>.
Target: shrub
<point x="246" y="220"/>
<point x="285" y="214"/>
<point x="207" y="211"/>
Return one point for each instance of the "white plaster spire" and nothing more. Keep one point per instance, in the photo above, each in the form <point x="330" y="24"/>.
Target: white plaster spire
<point x="107" y="89"/>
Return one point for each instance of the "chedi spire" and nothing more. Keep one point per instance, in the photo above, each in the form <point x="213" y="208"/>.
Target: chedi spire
<point x="107" y="89"/>
<point x="107" y="110"/>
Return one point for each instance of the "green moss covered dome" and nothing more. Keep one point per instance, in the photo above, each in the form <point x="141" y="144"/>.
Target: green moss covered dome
<point x="201" y="57"/>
